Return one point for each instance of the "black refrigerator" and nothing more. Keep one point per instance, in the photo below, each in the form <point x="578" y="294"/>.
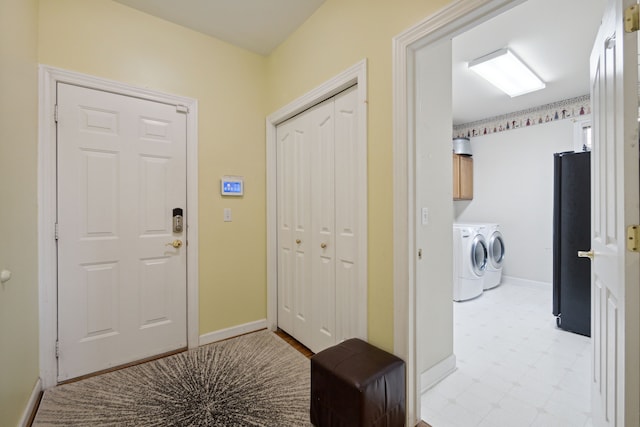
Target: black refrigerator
<point x="572" y="233"/>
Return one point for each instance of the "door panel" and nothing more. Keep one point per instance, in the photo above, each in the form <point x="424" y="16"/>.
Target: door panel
<point x="285" y="227"/>
<point x="615" y="271"/>
<point x="101" y="292"/>
<point x="323" y="220"/>
<point x="121" y="171"/>
<point x="285" y="203"/>
<point x="346" y="212"/>
<point x="153" y="180"/>
<point x="99" y="205"/>
<point x="155" y="291"/>
<point x="294" y="229"/>
<point x="303" y="234"/>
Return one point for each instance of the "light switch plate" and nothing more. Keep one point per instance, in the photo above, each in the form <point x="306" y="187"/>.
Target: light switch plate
<point x="425" y="216"/>
<point x="227" y="214"/>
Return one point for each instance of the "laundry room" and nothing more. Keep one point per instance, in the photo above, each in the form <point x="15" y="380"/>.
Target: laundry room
<point x="513" y="182"/>
<point x="514" y="365"/>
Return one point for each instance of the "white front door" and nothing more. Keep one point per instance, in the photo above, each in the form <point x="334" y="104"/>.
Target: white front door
<point x="121" y="286"/>
<point x="615" y="271"/>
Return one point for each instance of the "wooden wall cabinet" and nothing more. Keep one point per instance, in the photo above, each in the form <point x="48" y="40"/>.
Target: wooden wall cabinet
<point x="462" y="177"/>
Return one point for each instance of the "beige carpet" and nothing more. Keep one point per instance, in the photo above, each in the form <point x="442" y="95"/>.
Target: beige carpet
<point x="253" y="380"/>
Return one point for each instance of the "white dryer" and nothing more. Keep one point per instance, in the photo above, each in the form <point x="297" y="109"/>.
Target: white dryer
<point x="496" y="252"/>
<point x="469" y="261"/>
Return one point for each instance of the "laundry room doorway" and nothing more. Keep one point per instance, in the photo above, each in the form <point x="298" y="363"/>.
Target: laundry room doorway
<point x="409" y="246"/>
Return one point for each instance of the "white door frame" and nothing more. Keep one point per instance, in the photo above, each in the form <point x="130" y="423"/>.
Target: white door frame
<point x="452" y="20"/>
<point x="47" y="169"/>
<point x="356" y="74"/>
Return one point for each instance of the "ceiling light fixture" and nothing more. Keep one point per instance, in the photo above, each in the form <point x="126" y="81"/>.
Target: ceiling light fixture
<point x="506" y="72"/>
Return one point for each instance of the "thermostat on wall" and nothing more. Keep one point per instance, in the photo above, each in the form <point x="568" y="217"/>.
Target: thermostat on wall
<point x="232" y="186"/>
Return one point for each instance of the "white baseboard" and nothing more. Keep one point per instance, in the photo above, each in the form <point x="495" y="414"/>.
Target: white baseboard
<point x="440" y="371"/>
<point x="233" y="331"/>
<point x="31" y="405"/>
<point x="510" y="280"/>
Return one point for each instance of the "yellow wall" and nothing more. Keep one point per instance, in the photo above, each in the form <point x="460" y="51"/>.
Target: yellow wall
<point x="18" y="206"/>
<point x="106" y="39"/>
<point x="236" y="90"/>
<point x="339" y="34"/>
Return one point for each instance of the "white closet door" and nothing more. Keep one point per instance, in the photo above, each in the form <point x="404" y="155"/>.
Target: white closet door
<point x="346" y="213"/>
<point x="317" y="223"/>
<point x="323" y="224"/>
<point x="294" y="228"/>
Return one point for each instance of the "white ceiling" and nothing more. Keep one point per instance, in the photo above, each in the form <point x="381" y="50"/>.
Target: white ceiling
<point x="256" y="25"/>
<point x="554" y="37"/>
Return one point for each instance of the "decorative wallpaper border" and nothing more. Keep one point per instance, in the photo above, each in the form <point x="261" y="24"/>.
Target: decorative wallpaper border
<point x="560" y="110"/>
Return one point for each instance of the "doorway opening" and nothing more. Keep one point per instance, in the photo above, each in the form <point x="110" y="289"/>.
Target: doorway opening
<point x="409" y="239"/>
<point x="512" y="151"/>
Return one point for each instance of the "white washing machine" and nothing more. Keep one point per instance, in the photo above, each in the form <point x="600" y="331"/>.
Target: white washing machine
<point x="495" y="252"/>
<point x="469" y="261"/>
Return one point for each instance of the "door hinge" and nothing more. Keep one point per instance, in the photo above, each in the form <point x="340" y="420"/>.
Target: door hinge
<point x="55" y="113"/>
<point x="633" y="238"/>
<point x="632" y="19"/>
<point x="182" y="109"/>
<point x="57" y="349"/>
<point x="56" y="232"/>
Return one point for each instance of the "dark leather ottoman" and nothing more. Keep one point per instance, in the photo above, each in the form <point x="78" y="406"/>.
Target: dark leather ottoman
<point x="356" y="384"/>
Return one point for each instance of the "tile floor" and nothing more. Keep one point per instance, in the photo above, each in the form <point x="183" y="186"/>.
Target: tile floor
<point x="514" y="367"/>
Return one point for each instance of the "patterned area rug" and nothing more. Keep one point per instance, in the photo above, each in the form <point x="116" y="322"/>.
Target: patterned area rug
<point x="252" y="380"/>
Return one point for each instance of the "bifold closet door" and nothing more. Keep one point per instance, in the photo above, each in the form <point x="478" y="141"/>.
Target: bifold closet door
<point x="294" y="227"/>
<point x="317" y="210"/>
<point x="323" y="225"/>
<point x="347" y="238"/>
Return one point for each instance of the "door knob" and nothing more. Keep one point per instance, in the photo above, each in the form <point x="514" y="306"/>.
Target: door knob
<point x="176" y="244"/>
<point x="298" y="241"/>
<point x="323" y="245"/>
<point x="586" y="254"/>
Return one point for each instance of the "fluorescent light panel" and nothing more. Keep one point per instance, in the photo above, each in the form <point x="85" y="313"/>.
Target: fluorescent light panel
<point x="506" y="72"/>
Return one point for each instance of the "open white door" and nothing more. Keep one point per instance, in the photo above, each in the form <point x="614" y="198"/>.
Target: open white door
<point x="615" y="270"/>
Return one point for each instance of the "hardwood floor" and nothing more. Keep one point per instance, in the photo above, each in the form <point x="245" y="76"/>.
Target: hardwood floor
<point x="294" y="343"/>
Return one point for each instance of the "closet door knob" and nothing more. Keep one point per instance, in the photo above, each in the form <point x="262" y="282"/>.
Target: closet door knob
<point x="323" y="245"/>
<point x="298" y="241"/>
